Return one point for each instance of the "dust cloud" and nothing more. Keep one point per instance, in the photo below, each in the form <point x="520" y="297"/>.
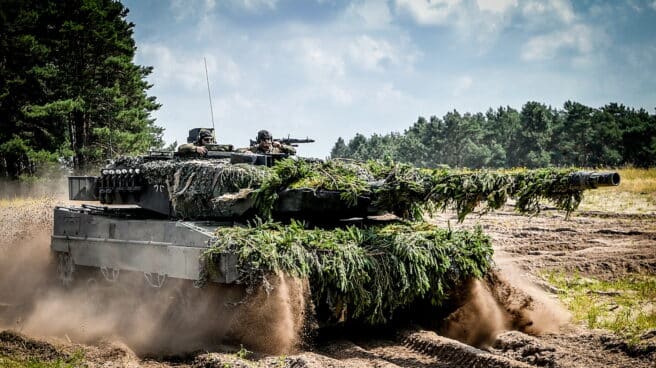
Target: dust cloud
<point x="479" y="320"/>
<point x="280" y="312"/>
<point x="52" y="187"/>
<point x="504" y="300"/>
<point x="175" y="319"/>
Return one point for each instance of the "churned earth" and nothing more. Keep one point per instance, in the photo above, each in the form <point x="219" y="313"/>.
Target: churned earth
<point x="513" y="317"/>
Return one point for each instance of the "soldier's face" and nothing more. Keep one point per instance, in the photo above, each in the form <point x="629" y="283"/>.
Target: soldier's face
<point x="206" y="140"/>
<point x="265" y="144"/>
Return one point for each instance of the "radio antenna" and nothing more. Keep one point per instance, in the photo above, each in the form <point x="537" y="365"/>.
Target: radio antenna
<point x="209" y="94"/>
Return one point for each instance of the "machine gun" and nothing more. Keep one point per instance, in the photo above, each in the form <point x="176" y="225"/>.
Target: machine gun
<point x="294" y="142"/>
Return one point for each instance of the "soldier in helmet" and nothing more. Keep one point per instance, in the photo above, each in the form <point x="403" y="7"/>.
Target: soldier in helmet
<point x="266" y="144"/>
<point x="204" y="137"/>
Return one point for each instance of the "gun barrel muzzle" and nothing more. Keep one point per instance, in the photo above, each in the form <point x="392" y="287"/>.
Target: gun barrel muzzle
<point x="592" y="180"/>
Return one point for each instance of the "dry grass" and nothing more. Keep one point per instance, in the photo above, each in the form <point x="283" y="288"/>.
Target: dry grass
<point x="638" y="180"/>
<point x="635" y="194"/>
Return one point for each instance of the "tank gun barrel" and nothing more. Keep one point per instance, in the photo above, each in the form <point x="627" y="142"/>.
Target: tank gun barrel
<point x="592" y="180"/>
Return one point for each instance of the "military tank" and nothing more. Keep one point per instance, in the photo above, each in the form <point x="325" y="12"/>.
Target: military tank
<point x="161" y="214"/>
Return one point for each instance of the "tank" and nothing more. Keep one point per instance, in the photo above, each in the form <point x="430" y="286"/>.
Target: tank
<point x="158" y="214"/>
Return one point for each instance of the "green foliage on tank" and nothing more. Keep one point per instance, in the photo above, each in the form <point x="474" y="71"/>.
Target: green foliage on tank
<point x="408" y="191"/>
<point x="363" y="273"/>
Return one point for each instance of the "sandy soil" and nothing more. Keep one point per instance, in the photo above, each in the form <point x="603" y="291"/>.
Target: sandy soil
<point x="512" y="316"/>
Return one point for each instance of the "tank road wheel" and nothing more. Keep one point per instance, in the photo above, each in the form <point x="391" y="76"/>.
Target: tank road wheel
<point x="155" y="280"/>
<point x="110" y="274"/>
<point x="71" y="275"/>
<point x="65" y="268"/>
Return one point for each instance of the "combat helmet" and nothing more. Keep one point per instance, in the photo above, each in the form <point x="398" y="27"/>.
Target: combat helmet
<point x="196" y="135"/>
<point x="263" y="135"/>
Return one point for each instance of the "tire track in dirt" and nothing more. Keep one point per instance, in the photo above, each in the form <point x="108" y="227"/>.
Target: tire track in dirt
<point x="602" y="247"/>
<point x="452" y="353"/>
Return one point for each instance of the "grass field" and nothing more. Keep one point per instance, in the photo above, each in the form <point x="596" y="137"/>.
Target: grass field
<point x="624" y="305"/>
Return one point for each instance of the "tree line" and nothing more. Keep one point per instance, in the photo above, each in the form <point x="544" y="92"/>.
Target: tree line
<point x="536" y="136"/>
<point x="69" y="89"/>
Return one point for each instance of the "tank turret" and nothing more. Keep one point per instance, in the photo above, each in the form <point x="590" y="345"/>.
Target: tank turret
<point x="223" y="187"/>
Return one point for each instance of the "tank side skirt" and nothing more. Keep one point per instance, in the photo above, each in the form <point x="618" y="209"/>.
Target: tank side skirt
<point x="163" y="247"/>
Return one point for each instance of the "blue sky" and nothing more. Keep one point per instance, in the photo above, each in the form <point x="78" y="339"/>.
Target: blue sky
<point x="326" y="68"/>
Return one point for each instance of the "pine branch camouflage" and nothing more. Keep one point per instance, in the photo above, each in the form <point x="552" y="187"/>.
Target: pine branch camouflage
<point x="364" y="273"/>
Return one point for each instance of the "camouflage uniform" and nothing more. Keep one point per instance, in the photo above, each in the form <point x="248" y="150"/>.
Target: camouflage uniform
<point x="264" y="135"/>
<point x="188" y="148"/>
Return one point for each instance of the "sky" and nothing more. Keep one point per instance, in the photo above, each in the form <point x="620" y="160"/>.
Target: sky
<point x="326" y="69"/>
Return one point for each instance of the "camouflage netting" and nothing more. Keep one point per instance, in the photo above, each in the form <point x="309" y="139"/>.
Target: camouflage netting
<point x="366" y="273"/>
<point x="214" y="188"/>
<point x="206" y="188"/>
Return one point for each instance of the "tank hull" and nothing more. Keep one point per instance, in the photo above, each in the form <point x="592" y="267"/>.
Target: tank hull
<point x="113" y="243"/>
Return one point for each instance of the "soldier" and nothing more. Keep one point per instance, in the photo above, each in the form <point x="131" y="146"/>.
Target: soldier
<point x="204" y="137"/>
<point x="266" y="144"/>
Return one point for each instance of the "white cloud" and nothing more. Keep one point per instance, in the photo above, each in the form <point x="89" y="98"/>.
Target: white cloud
<point x="176" y="68"/>
<point x="476" y="24"/>
<point x="210" y="4"/>
<point x="496" y="6"/>
<point x="191" y="8"/>
<point x="543" y="11"/>
<point x="641" y="59"/>
<point x="324" y="70"/>
<point x="371" y="54"/>
<point x="480" y="28"/>
<point x="255" y="5"/>
<point x="324" y="58"/>
<point x="579" y="39"/>
<point x="317" y="60"/>
<point x="231" y="105"/>
<point x="429" y="12"/>
<point x="479" y="23"/>
<point x="388" y="93"/>
<point x="635" y="7"/>
<point x="374" y="13"/>
<point x="339" y="94"/>
<point x="462" y="85"/>
<point x="183" y="9"/>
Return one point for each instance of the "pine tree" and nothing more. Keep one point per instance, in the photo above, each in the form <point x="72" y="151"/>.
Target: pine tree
<point x="70" y="83"/>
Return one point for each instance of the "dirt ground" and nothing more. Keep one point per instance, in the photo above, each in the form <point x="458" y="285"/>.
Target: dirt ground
<point x="513" y="316"/>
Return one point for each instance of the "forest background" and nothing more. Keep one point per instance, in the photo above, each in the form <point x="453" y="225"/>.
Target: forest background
<point x="537" y="136"/>
<point x="71" y="96"/>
